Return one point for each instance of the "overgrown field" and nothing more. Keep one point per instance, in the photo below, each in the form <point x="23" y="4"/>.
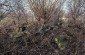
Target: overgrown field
<point x="46" y="30"/>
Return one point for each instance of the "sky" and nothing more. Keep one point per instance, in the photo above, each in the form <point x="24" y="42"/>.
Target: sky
<point x="66" y="6"/>
<point x="26" y="5"/>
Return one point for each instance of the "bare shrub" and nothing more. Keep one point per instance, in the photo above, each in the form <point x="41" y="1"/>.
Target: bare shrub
<point x="43" y="32"/>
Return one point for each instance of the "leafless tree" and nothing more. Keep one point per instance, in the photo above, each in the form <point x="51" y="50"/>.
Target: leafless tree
<point x="46" y="10"/>
<point x="77" y="8"/>
<point x="77" y="12"/>
<point x="42" y="41"/>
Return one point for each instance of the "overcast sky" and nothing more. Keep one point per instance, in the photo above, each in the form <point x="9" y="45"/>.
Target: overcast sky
<point x="26" y="6"/>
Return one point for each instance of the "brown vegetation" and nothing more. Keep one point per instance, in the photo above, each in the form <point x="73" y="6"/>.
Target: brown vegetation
<point x="45" y="31"/>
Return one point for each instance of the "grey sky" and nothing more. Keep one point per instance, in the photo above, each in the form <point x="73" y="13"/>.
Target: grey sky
<point x="26" y="5"/>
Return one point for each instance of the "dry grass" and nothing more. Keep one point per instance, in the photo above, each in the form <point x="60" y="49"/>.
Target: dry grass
<point x="42" y="33"/>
